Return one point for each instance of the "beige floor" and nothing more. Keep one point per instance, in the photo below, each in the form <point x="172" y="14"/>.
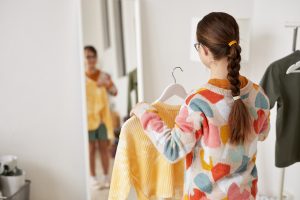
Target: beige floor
<point x="99" y="194"/>
<point x="103" y="195"/>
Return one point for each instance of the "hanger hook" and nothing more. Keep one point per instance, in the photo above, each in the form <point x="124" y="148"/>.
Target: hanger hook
<point x="174" y="71"/>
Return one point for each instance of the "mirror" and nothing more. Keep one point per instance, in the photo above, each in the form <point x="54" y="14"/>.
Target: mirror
<point x="110" y="59"/>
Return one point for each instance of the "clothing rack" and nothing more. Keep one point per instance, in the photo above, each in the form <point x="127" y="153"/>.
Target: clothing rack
<point x="295" y="26"/>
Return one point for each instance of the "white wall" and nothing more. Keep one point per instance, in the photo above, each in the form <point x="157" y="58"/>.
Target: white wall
<point x="129" y="33"/>
<point x="41" y="116"/>
<point x="92" y="24"/>
<point x="166" y="43"/>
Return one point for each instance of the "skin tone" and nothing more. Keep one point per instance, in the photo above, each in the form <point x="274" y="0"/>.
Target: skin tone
<point x="102" y="145"/>
<point x="90" y="62"/>
<point x="90" y="65"/>
<point x="218" y="68"/>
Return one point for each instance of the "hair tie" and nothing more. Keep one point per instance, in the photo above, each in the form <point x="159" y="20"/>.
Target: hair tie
<point x="236" y="98"/>
<point x="232" y="43"/>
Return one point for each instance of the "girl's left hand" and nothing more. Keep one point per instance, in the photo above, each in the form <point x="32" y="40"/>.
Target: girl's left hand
<point x="140" y="108"/>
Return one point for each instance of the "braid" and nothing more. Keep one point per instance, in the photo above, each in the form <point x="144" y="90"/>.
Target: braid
<point x="238" y="121"/>
<point x="234" y="59"/>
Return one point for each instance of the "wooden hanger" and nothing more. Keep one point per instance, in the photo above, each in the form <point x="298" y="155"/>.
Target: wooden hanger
<point x="174" y="89"/>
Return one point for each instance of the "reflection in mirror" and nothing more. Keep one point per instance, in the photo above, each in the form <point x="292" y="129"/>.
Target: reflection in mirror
<point x="110" y="60"/>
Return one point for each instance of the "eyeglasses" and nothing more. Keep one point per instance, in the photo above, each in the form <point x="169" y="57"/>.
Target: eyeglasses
<point x="90" y="57"/>
<point x="197" y="46"/>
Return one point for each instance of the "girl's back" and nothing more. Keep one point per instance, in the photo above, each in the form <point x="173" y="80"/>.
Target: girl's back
<point x="215" y="168"/>
<point x="218" y="126"/>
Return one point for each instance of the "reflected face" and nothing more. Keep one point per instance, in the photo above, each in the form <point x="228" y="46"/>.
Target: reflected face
<point x="90" y="59"/>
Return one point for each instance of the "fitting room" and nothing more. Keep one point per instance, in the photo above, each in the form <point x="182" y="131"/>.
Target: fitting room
<point x="74" y="76"/>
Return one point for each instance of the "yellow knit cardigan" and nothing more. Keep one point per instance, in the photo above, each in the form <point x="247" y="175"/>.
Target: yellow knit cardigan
<point x="140" y="165"/>
<point x="98" y="107"/>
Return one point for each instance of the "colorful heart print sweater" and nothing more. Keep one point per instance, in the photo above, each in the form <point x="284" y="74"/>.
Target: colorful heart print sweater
<point x="215" y="169"/>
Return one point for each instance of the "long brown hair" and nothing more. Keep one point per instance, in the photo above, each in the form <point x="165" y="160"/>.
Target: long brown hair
<point x="215" y="31"/>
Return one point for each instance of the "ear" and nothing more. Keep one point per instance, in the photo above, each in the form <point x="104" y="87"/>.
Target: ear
<point x="205" y="50"/>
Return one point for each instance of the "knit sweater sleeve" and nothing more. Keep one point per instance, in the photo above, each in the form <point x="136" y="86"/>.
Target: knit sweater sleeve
<point x="177" y="142"/>
<point x="262" y="123"/>
<point x="120" y="179"/>
<point x="270" y="83"/>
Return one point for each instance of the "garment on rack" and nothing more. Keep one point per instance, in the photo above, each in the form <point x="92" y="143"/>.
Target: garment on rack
<point x="284" y="89"/>
<point x="140" y="165"/>
<point x="98" y="107"/>
<point x="132" y="86"/>
<point x="215" y="168"/>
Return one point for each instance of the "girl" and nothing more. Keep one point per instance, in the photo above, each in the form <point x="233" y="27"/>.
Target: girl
<point x="99" y="117"/>
<point x="218" y="126"/>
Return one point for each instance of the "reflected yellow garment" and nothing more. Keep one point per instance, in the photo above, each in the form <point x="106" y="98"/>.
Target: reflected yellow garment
<point x="98" y="107"/>
<point x="140" y="165"/>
